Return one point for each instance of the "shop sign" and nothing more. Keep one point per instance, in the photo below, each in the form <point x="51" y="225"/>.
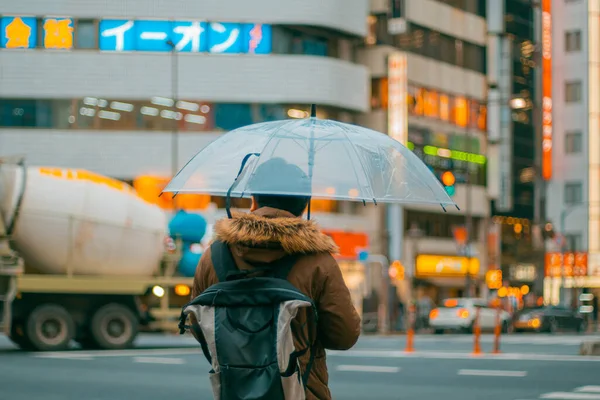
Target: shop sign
<point x="186" y="36"/>
<point x="397" y="100"/>
<point x="350" y="243"/>
<point x="493" y="278"/>
<point x="522" y="272"/>
<point x="446" y="266"/>
<point x="566" y="264"/>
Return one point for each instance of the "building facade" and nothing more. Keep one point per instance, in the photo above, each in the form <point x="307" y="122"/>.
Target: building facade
<point x="514" y="133"/>
<point x="133" y="89"/>
<point x="442" y="48"/>
<point x="573" y="189"/>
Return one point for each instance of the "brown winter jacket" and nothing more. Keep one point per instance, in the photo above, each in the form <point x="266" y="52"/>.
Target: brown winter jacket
<point x="269" y="234"/>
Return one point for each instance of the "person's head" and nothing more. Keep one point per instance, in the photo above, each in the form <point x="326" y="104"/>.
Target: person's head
<point x="277" y="176"/>
<point x="292" y="204"/>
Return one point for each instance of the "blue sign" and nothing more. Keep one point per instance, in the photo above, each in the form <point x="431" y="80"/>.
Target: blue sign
<point x="18" y="32"/>
<point x="363" y="256"/>
<point x="186" y="36"/>
<point x="116" y="35"/>
<point x="257" y="39"/>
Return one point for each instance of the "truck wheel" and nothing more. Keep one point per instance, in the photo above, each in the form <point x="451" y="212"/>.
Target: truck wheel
<point x="114" y="327"/>
<point x="50" y="328"/>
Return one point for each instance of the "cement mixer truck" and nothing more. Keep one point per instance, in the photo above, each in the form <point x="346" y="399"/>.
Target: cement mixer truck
<point x="82" y="258"/>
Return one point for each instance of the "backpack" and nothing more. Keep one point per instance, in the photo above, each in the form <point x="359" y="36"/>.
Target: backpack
<point x="244" y="329"/>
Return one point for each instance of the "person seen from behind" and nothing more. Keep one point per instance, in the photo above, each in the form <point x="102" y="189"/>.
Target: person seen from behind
<point x="275" y="228"/>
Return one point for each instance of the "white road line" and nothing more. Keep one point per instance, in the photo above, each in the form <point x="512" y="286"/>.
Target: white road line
<point x="492" y="372"/>
<point x="195" y="352"/>
<point x="592" y="389"/>
<point x="570" y="396"/>
<point x="65" y="357"/>
<point x="462" y="356"/>
<point x="119" y="353"/>
<point x="158" y="360"/>
<point x="367" y="368"/>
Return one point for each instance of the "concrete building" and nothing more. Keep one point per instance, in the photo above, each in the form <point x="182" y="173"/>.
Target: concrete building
<point x="573" y="189"/>
<point x="133" y="89"/>
<point x="444" y="46"/>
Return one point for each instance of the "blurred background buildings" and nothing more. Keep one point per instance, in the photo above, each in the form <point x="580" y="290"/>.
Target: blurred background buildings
<point x="134" y="89"/>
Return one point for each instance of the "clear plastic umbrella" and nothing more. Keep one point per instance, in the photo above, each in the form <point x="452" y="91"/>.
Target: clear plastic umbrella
<point x="341" y="161"/>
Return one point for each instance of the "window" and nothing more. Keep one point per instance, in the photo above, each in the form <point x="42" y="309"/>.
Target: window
<point x="573" y="142"/>
<point x="573" y="92"/>
<point x="574" y="242"/>
<point x="573" y="193"/>
<point x="86" y="34"/>
<point x="396" y="8"/>
<point x="429" y="43"/>
<point x="573" y="41"/>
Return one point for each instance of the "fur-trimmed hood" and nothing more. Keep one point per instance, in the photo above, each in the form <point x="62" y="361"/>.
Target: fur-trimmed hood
<point x="272" y="229"/>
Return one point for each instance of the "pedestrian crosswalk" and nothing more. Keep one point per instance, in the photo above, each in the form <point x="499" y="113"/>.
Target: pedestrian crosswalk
<point x="580" y="393"/>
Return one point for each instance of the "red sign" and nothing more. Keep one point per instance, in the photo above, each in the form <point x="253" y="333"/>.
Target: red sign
<point x="567" y="264"/>
<point x="350" y="243"/>
<point x="547" y="126"/>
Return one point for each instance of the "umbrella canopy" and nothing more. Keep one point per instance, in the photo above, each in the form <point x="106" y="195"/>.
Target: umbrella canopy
<point x="340" y="161"/>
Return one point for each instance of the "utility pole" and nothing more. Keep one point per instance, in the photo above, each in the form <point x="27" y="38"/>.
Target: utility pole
<point x="175" y="126"/>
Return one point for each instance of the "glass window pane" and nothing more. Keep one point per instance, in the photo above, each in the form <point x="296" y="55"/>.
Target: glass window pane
<point x="86" y="35"/>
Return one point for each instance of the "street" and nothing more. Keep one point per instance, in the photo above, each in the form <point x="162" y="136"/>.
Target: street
<point x="442" y="367"/>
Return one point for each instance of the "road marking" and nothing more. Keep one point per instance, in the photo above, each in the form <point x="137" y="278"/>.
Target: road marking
<point x="158" y="360"/>
<point x="367" y="368"/>
<point x="350" y="353"/>
<point x="570" y="396"/>
<point x="118" y="353"/>
<point x="492" y="372"/>
<point x="462" y="356"/>
<point x="83" y="357"/>
<point x="593" y="389"/>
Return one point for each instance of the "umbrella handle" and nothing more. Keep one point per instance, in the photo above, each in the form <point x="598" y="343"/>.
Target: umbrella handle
<point x="228" y="198"/>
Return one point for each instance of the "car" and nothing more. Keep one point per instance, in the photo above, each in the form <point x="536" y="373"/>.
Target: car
<point x="458" y="314"/>
<point x="549" y="319"/>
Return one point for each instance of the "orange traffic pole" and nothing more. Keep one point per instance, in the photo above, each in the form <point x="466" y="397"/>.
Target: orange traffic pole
<point x="477" y="335"/>
<point x="410" y="332"/>
<point x="497" y="331"/>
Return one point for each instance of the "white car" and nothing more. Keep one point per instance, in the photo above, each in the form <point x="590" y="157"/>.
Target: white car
<point x="459" y="315"/>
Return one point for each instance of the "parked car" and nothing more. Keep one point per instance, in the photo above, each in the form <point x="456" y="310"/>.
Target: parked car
<point x="459" y="315"/>
<point x="549" y="319"/>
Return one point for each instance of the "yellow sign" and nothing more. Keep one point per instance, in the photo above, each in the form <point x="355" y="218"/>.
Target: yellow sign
<point x="18" y="34"/>
<point x="446" y="266"/>
<point x="58" y="33"/>
<point x="494" y="279"/>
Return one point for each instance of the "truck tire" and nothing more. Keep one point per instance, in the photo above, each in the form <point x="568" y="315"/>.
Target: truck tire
<point x="114" y="327"/>
<point x="49" y="327"/>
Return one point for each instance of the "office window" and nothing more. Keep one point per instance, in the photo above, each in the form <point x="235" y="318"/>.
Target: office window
<point x="573" y="92"/>
<point x="86" y="34"/>
<point x="574" y="242"/>
<point x="573" y="142"/>
<point x="396" y="8"/>
<point x="573" y="41"/>
<point x="573" y="193"/>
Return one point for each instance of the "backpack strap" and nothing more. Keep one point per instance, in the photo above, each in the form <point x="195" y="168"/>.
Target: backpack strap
<point x="222" y="260"/>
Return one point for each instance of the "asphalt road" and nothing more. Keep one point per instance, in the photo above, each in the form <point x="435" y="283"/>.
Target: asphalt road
<point x="443" y="368"/>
